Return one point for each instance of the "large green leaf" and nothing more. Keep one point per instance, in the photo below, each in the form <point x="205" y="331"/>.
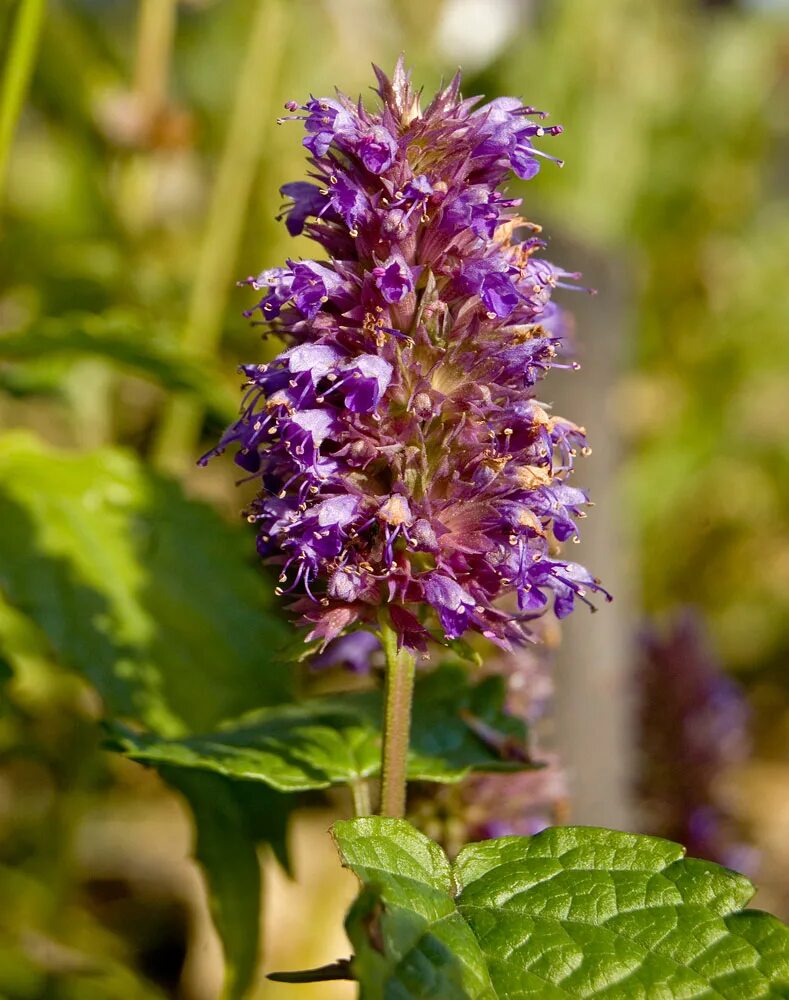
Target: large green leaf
<point x="148" y="594"/>
<point x="155" y="600"/>
<point x="574" y="912"/>
<point x="337" y="740"/>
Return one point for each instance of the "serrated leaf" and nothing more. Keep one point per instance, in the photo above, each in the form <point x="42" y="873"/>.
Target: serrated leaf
<point x="151" y="596"/>
<point x="229" y="822"/>
<point x="574" y="912"/>
<point x="337" y="740"/>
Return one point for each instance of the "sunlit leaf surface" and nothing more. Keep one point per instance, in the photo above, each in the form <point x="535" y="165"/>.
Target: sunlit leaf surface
<point x="148" y="594"/>
<point x="574" y="912"/>
<point x="337" y="740"/>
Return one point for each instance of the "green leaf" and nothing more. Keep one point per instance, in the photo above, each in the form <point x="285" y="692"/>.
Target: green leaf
<point x="465" y="652"/>
<point x="229" y="822"/>
<point x="409" y="938"/>
<point x="148" y="594"/>
<point x="574" y="912"/>
<point x="337" y="740"/>
<point x="124" y="339"/>
<point x="155" y="600"/>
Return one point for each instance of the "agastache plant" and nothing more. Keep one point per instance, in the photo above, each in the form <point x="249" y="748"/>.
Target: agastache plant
<point x="409" y="478"/>
<point x="413" y="490"/>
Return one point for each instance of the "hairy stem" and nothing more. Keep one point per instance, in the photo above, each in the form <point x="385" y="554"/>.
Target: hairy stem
<point x="16" y="75"/>
<point x="180" y="427"/>
<point x="397" y="720"/>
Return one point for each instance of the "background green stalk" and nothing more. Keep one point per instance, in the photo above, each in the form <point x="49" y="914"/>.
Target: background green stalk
<point x="16" y="75"/>
<point x="398" y="697"/>
<point x="155" y="33"/>
<point x="179" y="431"/>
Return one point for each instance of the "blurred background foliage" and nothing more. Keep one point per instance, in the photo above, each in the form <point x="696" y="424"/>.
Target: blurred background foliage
<point x="138" y="182"/>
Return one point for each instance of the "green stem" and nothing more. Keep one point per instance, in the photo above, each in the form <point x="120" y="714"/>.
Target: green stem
<point x="16" y="76"/>
<point x="360" y="790"/>
<point x="397" y="720"/>
<point x="179" y="430"/>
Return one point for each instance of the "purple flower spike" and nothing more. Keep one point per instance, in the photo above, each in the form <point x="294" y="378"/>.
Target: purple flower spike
<point x="401" y="455"/>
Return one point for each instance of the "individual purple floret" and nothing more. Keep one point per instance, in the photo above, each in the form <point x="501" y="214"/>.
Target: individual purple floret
<point x="401" y="454"/>
<point x="693" y="726"/>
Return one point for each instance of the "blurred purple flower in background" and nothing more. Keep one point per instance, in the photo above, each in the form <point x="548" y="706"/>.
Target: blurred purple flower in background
<point x="524" y="802"/>
<point x="351" y="652"/>
<point x="401" y="455"/>
<point x="693" y="727"/>
<point x="518" y="803"/>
